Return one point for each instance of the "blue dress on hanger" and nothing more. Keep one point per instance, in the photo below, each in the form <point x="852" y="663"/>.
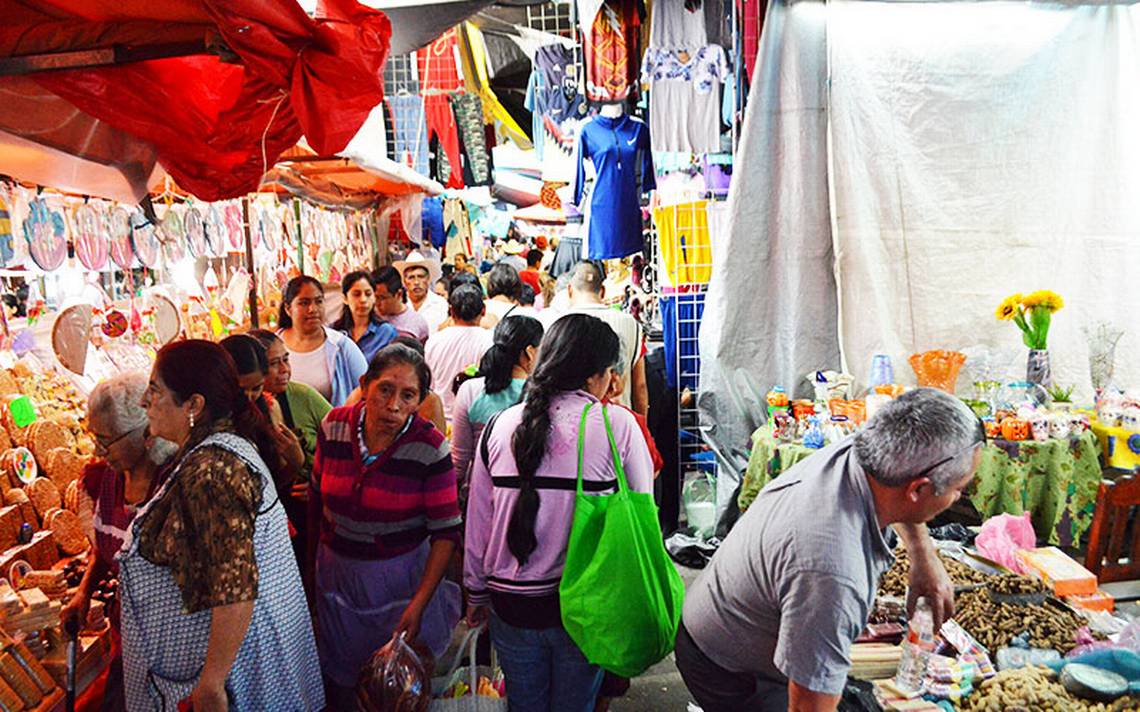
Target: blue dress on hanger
<point x="619" y="149"/>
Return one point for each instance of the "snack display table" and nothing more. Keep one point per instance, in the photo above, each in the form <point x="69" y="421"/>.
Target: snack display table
<point x="1056" y="481"/>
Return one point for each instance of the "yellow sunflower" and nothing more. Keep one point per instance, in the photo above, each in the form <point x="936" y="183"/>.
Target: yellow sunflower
<point x="1009" y="307"/>
<point x="1043" y="298"/>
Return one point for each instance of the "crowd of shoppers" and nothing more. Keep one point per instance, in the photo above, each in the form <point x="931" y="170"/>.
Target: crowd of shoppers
<point x="281" y="505"/>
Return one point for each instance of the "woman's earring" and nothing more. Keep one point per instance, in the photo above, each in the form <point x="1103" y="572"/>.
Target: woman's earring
<point x="191" y="420"/>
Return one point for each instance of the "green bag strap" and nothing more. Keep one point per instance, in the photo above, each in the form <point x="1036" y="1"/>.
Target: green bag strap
<point x="623" y="485"/>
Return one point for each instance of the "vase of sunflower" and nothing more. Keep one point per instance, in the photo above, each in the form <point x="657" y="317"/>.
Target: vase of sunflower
<point x="1033" y="314"/>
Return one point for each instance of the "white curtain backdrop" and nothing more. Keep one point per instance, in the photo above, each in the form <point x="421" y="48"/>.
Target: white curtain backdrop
<point x="770" y="313"/>
<point x="906" y="165"/>
<point x="980" y="149"/>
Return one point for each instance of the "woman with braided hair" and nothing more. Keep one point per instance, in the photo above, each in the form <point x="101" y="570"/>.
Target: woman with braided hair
<point x="521" y="507"/>
<point x="497" y="386"/>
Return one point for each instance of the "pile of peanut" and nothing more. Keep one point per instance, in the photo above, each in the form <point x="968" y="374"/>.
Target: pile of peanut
<point x="1034" y="689"/>
<point x="894" y="581"/>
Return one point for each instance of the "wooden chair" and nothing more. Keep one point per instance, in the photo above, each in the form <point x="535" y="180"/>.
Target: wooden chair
<point x="1114" y="552"/>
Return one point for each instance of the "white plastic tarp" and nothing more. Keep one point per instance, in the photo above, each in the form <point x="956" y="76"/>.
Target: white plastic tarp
<point x="770" y="312"/>
<point x="976" y="149"/>
<point x="980" y="149"/>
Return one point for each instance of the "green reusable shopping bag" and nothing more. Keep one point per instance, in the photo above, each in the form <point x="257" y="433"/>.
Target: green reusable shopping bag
<point x="620" y="594"/>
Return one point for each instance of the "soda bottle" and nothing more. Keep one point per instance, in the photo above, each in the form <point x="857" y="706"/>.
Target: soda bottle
<point x="916" y="649"/>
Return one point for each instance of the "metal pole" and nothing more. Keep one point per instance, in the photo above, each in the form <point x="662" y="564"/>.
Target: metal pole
<point x="300" y="236"/>
<point x="253" y="317"/>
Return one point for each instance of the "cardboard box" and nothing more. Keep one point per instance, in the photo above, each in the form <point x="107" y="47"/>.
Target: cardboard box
<point x="1099" y="601"/>
<point x="1059" y="570"/>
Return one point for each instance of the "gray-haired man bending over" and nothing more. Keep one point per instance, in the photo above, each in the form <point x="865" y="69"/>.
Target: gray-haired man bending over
<point x="769" y="624"/>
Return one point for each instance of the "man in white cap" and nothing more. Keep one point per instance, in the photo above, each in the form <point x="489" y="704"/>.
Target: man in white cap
<point x="420" y="273"/>
<point x="512" y="254"/>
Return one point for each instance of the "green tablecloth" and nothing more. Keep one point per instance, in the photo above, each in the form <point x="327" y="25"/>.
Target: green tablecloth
<point x="1056" y="481"/>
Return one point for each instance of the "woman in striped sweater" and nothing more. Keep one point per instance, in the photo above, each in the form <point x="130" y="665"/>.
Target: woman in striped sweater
<point x="515" y="548"/>
<point x="383" y="497"/>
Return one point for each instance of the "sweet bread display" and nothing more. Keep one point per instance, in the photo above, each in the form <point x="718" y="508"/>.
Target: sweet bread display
<point x="68" y="533"/>
<point x="71" y="497"/>
<point x="62" y="466"/>
<point x="47" y="435"/>
<point x="44" y="495"/>
<point x="19" y="498"/>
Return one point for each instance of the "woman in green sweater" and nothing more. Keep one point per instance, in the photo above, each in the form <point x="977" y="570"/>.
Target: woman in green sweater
<point x="302" y="409"/>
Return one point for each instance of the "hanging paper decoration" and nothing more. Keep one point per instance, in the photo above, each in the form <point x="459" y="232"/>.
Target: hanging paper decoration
<point x="172" y="228"/>
<point x="46" y="233"/>
<point x="172" y="236"/>
<point x="145" y="240"/>
<point x="271" y="228"/>
<point x="90" y="236"/>
<point x="195" y="228"/>
<point x="7" y="249"/>
<point x="234" y="226"/>
<point x="115" y="324"/>
<point x="119" y="230"/>
<point x="215" y="230"/>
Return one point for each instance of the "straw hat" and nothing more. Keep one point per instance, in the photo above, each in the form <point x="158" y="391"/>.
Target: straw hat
<point x="416" y="259"/>
<point x="514" y="247"/>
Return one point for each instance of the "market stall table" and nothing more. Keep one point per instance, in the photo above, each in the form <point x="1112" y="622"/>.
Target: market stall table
<point x="1056" y="481"/>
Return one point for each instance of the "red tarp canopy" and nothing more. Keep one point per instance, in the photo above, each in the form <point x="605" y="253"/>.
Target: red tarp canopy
<point x="214" y="126"/>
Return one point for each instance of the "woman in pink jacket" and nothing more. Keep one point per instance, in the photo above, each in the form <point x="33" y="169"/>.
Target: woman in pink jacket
<point x="521" y="507"/>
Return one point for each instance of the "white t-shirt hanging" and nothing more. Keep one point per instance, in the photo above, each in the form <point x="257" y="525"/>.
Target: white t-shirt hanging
<point x="684" y="104"/>
<point x="672" y="26"/>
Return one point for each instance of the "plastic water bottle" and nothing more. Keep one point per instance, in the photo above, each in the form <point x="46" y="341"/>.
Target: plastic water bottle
<point x="916" y="649"/>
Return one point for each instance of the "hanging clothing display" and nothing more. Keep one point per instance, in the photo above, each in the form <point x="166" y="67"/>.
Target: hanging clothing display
<point x="681" y="315"/>
<point x="684" y="101"/>
<point x="468" y="110"/>
<point x="752" y="20"/>
<point x="685" y="249"/>
<point x="608" y="46"/>
<point x="438" y="64"/>
<point x="673" y="26"/>
<point x="457" y="227"/>
<point x="433" y="228"/>
<point x="566" y="255"/>
<point x="552" y="96"/>
<point x="473" y="58"/>
<point x="619" y="150"/>
<point x="409" y="132"/>
<point x="444" y="133"/>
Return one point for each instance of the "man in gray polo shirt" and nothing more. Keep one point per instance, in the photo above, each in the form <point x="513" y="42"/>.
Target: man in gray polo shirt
<point x="769" y="624"/>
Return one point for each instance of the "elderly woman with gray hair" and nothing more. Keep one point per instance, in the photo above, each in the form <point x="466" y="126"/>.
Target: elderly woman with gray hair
<point x="124" y="477"/>
<point x="769" y="624"/>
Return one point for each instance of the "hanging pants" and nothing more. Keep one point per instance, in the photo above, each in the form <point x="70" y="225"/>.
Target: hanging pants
<point x="410" y="132"/>
<point x="443" y="130"/>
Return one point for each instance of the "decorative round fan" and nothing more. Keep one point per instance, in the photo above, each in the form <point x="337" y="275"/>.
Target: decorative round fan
<point x="195" y="232"/>
<point x="216" y="230"/>
<point x="172" y="236"/>
<point x="119" y="230"/>
<point x="46" y="233"/>
<point x="167" y="322"/>
<point x="234" y="226"/>
<point x="173" y="251"/>
<point x="270" y="219"/>
<point x="70" y="335"/>
<point x="115" y="324"/>
<point x="144" y="237"/>
<point x="90" y="236"/>
<point x="172" y="227"/>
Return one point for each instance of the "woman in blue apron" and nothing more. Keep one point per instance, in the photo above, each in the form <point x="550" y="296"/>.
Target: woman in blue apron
<point x="212" y="606"/>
